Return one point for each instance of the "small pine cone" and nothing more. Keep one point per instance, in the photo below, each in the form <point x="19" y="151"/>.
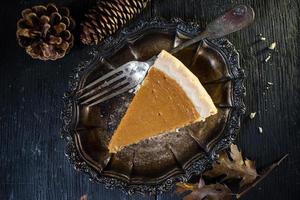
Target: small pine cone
<point x="45" y="31"/>
<point x="107" y="17"/>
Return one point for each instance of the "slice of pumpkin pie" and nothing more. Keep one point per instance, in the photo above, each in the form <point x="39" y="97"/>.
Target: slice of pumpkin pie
<point x="169" y="98"/>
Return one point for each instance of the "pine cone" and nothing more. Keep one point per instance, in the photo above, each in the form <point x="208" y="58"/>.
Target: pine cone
<point x="107" y="17"/>
<point x="45" y="31"/>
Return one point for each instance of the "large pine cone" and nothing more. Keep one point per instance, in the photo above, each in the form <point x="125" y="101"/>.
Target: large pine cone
<point x="107" y="17"/>
<point x="45" y="31"/>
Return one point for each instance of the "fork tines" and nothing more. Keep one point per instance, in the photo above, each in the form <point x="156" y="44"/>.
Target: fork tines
<point x="103" y="88"/>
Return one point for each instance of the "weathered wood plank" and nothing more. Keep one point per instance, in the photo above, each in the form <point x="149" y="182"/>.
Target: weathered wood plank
<point x="33" y="165"/>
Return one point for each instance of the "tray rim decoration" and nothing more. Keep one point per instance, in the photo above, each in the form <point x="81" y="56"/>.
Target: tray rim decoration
<point x="196" y="165"/>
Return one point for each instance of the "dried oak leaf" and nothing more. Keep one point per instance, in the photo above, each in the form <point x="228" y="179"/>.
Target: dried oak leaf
<point x="234" y="166"/>
<point x="84" y="197"/>
<point x="263" y="174"/>
<point x="202" y="191"/>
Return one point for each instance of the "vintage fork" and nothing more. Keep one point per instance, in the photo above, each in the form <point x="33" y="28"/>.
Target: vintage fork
<point x="131" y="74"/>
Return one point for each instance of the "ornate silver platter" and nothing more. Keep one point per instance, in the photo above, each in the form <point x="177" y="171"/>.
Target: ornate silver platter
<point x="155" y="165"/>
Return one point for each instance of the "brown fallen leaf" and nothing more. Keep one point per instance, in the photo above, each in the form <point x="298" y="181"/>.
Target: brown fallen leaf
<point x="202" y="191"/>
<point x="84" y="197"/>
<point x="234" y="167"/>
<point x="263" y="174"/>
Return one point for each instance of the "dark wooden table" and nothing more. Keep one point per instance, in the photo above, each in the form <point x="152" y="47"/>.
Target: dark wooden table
<point x="33" y="165"/>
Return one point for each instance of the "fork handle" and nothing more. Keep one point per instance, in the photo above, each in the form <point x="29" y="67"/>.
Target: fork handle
<point x="235" y="19"/>
<point x="200" y="37"/>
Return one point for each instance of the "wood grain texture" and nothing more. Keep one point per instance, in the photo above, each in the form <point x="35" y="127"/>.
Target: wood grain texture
<point x="33" y="165"/>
